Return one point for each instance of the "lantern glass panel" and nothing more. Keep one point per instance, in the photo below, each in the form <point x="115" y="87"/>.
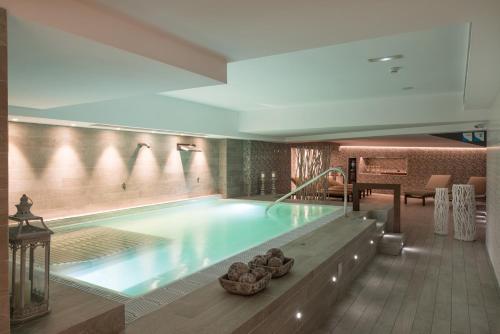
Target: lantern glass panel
<point x="14" y="277"/>
<point x="39" y="276"/>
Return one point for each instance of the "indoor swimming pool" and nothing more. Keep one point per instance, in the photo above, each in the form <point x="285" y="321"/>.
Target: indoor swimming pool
<point x="132" y="254"/>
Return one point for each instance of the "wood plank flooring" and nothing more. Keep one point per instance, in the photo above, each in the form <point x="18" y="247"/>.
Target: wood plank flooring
<point x="439" y="285"/>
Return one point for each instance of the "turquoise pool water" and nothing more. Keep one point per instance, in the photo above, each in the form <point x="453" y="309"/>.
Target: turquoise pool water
<point x="193" y="235"/>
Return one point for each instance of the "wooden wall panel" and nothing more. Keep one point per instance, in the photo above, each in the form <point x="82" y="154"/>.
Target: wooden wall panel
<point x="4" y="280"/>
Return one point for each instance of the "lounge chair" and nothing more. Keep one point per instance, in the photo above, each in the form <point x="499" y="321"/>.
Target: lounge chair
<point x="479" y="183"/>
<point x="336" y="188"/>
<point x="435" y="181"/>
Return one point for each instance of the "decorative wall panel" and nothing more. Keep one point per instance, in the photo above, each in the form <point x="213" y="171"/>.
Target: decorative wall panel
<point x="308" y="161"/>
<point x="266" y="157"/>
<point x="421" y="163"/>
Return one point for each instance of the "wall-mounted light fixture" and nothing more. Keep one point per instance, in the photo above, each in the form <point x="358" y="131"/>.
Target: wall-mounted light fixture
<point x="384" y="59"/>
<point x="140" y="145"/>
<point x="187" y="148"/>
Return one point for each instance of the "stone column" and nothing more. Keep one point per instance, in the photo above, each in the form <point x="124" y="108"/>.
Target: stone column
<point x="4" y="260"/>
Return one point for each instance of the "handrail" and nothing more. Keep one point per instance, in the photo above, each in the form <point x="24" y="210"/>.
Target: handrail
<point x="309" y="182"/>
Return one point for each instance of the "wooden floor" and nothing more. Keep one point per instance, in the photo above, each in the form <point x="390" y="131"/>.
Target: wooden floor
<point x="439" y="285"/>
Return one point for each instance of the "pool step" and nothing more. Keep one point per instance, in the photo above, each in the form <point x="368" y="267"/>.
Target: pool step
<point x="392" y="243"/>
<point x="96" y="242"/>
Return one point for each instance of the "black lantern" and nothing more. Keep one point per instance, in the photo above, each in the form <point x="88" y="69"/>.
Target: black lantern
<point x="29" y="267"/>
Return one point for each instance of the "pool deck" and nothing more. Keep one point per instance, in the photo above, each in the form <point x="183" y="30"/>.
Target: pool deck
<point x="76" y="311"/>
<point x="209" y="309"/>
<point x="317" y="255"/>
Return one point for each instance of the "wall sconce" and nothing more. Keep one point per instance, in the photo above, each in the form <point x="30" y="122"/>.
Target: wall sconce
<point x="140" y="145"/>
<point x="187" y="148"/>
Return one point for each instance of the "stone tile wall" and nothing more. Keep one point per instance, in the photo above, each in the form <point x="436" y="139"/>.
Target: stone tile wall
<point x="421" y="164"/>
<point x="266" y="157"/>
<point x="68" y="171"/>
<point x="231" y="168"/>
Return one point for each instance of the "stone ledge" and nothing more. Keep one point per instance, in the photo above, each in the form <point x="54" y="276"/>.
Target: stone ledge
<point x="75" y="311"/>
<point x="307" y="288"/>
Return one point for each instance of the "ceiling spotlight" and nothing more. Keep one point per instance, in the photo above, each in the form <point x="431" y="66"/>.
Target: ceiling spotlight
<point x="298" y="315"/>
<point x="384" y="59"/>
<point x="395" y="69"/>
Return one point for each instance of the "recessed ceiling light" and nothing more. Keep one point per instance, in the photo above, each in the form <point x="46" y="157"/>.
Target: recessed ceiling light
<point x="268" y="105"/>
<point x="118" y="128"/>
<point x="408" y="88"/>
<point x="386" y="58"/>
<point x="73" y="124"/>
<point x="15" y="119"/>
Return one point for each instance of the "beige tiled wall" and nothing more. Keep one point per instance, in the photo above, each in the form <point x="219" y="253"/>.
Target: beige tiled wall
<point x="4" y="293"/>
<point x="69" y="170"/>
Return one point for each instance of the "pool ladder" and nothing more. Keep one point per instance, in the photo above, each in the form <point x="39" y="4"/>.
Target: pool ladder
<point x="311" y="181"/>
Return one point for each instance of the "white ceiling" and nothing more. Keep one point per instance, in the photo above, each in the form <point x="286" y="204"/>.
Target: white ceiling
<point x="50" y="68"/>
<point x="405" y="141"/>
<point x="250" y="29"/>
<point x="299" y="67"/>
<point x="434" y="62"/>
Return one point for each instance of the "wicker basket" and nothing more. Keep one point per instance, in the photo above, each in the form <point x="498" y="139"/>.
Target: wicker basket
<point x="244" y="289"/>
<point x="276" y="271"/>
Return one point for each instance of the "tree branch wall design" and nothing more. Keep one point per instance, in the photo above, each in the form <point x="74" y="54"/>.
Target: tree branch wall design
<point x="308" y="161"/>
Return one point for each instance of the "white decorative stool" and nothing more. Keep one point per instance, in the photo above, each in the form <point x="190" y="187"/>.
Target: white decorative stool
<point x="464" y="212"/>
<point x="441" y="211"/>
